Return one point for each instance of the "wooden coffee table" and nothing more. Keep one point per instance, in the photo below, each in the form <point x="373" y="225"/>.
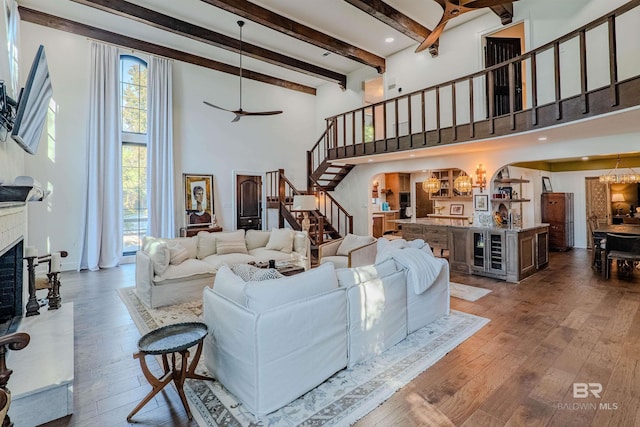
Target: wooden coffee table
<point x="171" y="339"/>
<point x="285" y="268"/>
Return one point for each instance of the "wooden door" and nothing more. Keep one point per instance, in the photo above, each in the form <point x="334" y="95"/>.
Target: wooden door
<point x="424" y="205"/>
<point x="500" y="49"/>
<point x="249" y="202"/>
<point x="597" y="204"/>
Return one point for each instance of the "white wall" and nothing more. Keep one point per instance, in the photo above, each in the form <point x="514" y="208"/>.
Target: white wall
<point x="205" y="140"/>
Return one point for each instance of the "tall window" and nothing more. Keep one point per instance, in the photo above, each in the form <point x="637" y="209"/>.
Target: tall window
<point x="133" y="111"/>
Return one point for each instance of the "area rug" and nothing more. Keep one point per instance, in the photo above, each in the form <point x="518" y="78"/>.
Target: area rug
<point x="341" y="400"/>
<point x="466" y="292"/>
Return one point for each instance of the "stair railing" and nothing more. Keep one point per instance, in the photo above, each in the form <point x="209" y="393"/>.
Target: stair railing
<point x="338" y="217"/>
<point x="465" y="108"/>
<point x="318" y="153"/>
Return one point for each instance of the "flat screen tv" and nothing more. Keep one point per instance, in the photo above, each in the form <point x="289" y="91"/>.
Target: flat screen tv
<point x="33" y="103"/>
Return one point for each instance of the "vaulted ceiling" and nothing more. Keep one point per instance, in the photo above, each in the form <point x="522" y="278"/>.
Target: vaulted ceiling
<point x="297" y="44"/>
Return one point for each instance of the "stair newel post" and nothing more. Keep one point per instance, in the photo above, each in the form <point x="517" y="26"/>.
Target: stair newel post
<point x="282" y="198"/>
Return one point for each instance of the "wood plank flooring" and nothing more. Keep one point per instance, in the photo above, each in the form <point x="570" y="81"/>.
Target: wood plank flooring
<point x="563" y="325"/>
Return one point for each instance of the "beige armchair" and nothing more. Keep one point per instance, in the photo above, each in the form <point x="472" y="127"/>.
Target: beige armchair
<point x="349" y="251"/>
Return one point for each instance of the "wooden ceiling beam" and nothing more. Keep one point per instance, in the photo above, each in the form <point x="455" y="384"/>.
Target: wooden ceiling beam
<point x="204" y="35"/>
<point x="396" y="20"/>
<point x="505" y="12"/>
<point x="62" y="24"/>
<point x="299" y="31"/>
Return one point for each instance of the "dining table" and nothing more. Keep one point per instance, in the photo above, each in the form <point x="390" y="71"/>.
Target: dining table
<point x="601" y="233"/>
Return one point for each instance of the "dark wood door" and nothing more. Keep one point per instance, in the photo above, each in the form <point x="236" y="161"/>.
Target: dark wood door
<point x="249" y="202"/>
<point x="424" y="205"/>
<point x="498" y="50"/>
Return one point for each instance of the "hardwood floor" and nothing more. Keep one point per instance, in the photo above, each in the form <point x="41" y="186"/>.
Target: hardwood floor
<point x="565" y="324"/>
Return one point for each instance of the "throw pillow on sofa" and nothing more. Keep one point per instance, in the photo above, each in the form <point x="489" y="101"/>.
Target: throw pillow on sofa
<point x="231" y="243"/>
<point x="250" y="273"/>
<point x="159" y="253"/>
<point x="206" y="244"/>
<point x="178" y="253"/>
<point x="281" y="239"/>
<point x="261" y="296"/>
<point x="257" y="239"/>
<point x="351" y="242"/>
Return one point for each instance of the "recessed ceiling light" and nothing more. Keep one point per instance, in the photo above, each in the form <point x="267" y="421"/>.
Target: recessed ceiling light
<point x="389" y="39"/>
<point x="370" y="160"/>
<point x="412" y="155"/>
<point x="542" y="138"/>
<point x="424" y="171"/>
<point x="585" y="158"/>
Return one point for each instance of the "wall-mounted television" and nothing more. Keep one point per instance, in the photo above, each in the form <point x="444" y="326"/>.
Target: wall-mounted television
<point x="33" y="103"/>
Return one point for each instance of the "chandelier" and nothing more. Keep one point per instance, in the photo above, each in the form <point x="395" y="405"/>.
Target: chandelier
<point x="463" y="183"/>
<point x="614" y="177"/>
<point x="431" y="184"/>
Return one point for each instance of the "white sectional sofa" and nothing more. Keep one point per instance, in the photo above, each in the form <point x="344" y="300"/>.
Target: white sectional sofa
<point x="270" y="342"/>
<point x="171" y="271"/>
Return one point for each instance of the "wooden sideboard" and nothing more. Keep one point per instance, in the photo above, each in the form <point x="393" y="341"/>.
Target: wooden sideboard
<point x="192" y="231"/>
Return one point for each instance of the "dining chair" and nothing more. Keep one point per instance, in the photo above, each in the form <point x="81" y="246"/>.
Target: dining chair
<point x="624" y="249"/>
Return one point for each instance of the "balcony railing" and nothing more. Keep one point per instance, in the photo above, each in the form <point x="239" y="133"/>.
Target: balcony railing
<point x="591" y="71"/>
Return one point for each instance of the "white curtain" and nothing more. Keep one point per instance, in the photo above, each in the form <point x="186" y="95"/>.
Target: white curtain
<point x="102" y="242"/>
<point x="13" y="41"/>
<point x="160" y="181"/>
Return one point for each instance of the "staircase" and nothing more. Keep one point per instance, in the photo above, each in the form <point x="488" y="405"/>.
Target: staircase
<point x="322" y="173"/>
<point x="330" y="221"/>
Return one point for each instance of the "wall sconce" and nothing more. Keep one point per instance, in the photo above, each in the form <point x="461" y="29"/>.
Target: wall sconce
<point x="481" y="178"/>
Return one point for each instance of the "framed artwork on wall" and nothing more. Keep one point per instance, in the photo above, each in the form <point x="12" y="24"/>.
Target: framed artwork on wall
<point x="481" y="202"/>
<point x="456" y="209"/>
<point x="198" y="199"/>
<point x="546" y="185"/>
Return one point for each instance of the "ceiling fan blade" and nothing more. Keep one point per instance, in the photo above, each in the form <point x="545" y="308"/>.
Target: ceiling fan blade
<point x="260" y="113"/>
<point x="215" y="106"/>
<point x="478" y="4"/>
<point x="433" y="37"/>
<point x="236" y="118"/>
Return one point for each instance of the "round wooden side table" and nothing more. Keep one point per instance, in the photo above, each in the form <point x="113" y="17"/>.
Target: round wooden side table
<point x="171" y="340"/>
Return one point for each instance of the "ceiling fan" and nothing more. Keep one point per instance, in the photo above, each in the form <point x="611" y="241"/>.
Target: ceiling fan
<point x="452" y="9"/>
<point x="240" y="112"/>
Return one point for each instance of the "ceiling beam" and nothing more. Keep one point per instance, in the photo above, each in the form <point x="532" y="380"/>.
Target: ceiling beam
<point x="291" y="28"/>
<point x="396" y="20"/>
<point x="194" y="32"/>
<point x="62" y="24"/>
<point x="504" y="11"/>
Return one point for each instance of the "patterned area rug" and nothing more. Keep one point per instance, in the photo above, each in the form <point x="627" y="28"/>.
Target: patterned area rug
<point x="466" y="292"/>
<point x="341" y="400"/>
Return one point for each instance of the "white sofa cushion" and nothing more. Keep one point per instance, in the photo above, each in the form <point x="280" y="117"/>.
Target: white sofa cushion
<point x="229" y="284"/>
<point x="348" y="277"/>
<point x="159" y="253"/>
<point x="257" y="239"/>
<point x="231" y="243"/>
<point x="263" y="254"/>
<point x="190" y="244"/>
<point x="216" y="261"/>
<point x="301" y="242"/>
<point x="351" y="242"/>
<point x="261" y="296"/>
<point x="206" y="244"/>
<point x="337" y="261"/>
<point x="179" y="254"/>
<point x="189" y="268"/>
<point x="281" y="239"/>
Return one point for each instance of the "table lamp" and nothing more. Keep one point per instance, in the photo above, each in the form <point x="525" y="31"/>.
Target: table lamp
<point x="304" y="203"/>
<point x="617" y="197"/>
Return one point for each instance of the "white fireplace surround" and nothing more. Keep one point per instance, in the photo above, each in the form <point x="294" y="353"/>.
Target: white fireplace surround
<point x="12" y="226"/>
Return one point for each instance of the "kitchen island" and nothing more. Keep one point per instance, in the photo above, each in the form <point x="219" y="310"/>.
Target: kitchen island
<point x="510" y="254"/>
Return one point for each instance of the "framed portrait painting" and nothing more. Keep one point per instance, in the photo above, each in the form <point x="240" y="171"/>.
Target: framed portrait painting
<point x="546" y="185"/>
<point x="198" y="199"/>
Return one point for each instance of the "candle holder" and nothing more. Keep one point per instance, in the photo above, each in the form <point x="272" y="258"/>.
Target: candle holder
<point x="32" y="306"/>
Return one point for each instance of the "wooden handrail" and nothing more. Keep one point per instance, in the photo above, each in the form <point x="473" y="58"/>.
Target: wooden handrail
<point x="343" y="129"/>
<point x="339" y="218"/>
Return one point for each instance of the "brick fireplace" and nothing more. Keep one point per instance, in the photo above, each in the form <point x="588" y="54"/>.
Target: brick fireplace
<point x="12" y="226"/>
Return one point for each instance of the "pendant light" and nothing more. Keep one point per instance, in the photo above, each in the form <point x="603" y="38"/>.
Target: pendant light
<point x="463" y="183"/>
<point x="613" y="177"/>
<point x="431" y="185"/>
